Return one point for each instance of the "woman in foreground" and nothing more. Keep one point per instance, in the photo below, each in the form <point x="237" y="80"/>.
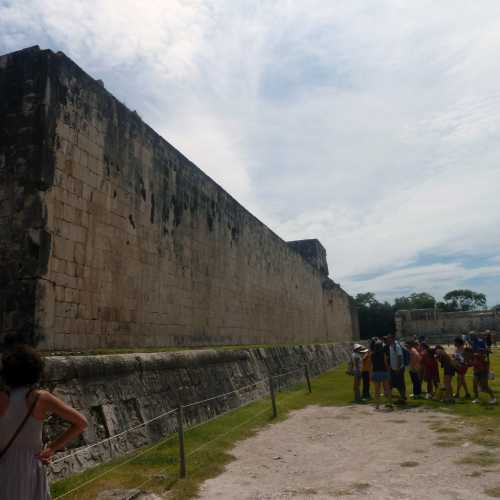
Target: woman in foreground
<point x="23" y="408"/>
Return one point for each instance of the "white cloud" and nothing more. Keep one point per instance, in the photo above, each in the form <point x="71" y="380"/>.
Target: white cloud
<point x="436" y="279"/>
<point x="371" y="126"/>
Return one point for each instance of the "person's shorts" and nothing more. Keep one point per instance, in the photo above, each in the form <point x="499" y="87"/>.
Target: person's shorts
<point x="448" y="370"/>
<point x="482" y="376"/>
<point x="380" y="376"/>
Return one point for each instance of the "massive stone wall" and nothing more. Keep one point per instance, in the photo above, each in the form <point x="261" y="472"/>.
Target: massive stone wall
<point x="443" y="325"/>
<point x="119" y="392"/>
<point x="112" y="238"/>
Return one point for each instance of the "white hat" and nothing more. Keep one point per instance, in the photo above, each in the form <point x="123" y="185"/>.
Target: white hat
<point x="357" y="347"/>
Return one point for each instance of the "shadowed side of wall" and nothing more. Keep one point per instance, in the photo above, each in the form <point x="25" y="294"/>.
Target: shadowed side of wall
<point x="26" y="173"/>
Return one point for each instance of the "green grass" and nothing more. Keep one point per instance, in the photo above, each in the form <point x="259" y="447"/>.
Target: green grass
<point x="333" y="388"/>
<point x="493" y="492"/>
<point x="482" y="458"/>
<point x="330" y="389"/>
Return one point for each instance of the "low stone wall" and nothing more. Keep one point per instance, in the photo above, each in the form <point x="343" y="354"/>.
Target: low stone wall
<point x="117" y="392"/>
<point x="438" y="324"/>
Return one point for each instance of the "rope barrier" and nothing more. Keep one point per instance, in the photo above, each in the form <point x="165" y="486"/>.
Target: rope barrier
<point x="224" y="395"/>
<point x="207" y="422"/>
<point x="232" y="428"/>
<point x="116" y="436"/>
<point x="137" y="455"/>
<point x="163" y="441"/>
<point x="288" y="373"/>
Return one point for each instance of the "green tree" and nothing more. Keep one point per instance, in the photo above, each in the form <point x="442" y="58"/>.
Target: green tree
<point x="463" y="300"/>
<point x="376" y="319"/>
<point x="420" y="300"/>
<point x="365" y="299"/>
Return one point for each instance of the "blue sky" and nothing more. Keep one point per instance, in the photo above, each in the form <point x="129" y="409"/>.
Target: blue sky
<point x="370" y="125"/>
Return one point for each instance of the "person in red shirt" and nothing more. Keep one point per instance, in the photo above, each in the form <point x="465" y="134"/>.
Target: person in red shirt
<point x="415" y="369"/>
<point x="430" y="370"/>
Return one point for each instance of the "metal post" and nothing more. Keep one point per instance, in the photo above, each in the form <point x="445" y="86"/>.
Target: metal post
<point x="308" y="380"/>
<point x="273" y="396"/>
<point x="182" y="451"/>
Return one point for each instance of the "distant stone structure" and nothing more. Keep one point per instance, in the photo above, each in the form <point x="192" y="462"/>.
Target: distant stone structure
<point x="437" y="325"/>
<point x="110" y="237"/>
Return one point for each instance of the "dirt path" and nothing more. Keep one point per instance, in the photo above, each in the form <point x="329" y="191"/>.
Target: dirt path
<point x="356" y="452"/>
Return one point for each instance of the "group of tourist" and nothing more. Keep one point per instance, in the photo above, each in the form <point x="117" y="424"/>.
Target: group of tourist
<point x="385" y="361"/>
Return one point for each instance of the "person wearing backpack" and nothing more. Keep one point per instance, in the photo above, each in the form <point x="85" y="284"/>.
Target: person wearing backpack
<point x="396" y="361"/>
<point x="23" y="408"/>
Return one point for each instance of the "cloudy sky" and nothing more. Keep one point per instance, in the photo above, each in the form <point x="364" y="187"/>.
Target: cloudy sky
<point x="371" y="125"/>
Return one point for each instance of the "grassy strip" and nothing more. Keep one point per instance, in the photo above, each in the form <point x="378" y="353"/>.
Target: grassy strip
<point x="159" y="466"/>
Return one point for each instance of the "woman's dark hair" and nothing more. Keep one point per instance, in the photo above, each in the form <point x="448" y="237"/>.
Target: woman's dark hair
<point x="22" y="366"/>
<point x="458" y="341"/>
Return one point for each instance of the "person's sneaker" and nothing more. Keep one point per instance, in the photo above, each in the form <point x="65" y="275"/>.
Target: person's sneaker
<point x="493" y="401"/>
<point x="428" y="396"/>
<point x="475" y="401"/>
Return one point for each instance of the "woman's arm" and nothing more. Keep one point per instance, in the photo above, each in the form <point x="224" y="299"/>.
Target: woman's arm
<point x="54" y="406"/>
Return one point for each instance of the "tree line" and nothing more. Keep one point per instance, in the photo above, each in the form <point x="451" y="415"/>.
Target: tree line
<point x="377" y="318"/>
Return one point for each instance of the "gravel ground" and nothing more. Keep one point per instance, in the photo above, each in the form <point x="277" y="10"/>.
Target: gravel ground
<point x="358" y="452"/>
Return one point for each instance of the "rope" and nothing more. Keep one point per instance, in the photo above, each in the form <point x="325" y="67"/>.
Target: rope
<point x="226" y="433"/>
<point x="140" y="454"/>
<point x="224" y="395"/>
<point x="163" y="441"/>
<point x="288" y="373"/>
<point x="116" y="436"/>
<point x="232" y="428"/>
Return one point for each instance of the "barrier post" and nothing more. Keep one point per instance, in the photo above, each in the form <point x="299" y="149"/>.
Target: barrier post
<point x="308" y="380"/>
<point x="273" y="396"/>
<point x="182" y="451"/>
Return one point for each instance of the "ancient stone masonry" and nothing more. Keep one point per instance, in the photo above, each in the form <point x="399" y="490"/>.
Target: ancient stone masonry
<point x="153" y="384"/>
<point x="440" y="326"/>
<point x="111" y="237"/>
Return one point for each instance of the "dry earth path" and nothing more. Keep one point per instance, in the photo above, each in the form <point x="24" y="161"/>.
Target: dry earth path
<point x="357" y="452"/>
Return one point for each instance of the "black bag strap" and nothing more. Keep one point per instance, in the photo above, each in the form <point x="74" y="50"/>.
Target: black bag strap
<point x="20" y="428"/>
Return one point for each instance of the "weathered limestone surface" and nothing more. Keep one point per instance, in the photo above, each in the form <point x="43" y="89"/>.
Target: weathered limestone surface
<point x="441" y="325"/>
<point x="110" y="237"/>
<point x="118" y="392"/>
